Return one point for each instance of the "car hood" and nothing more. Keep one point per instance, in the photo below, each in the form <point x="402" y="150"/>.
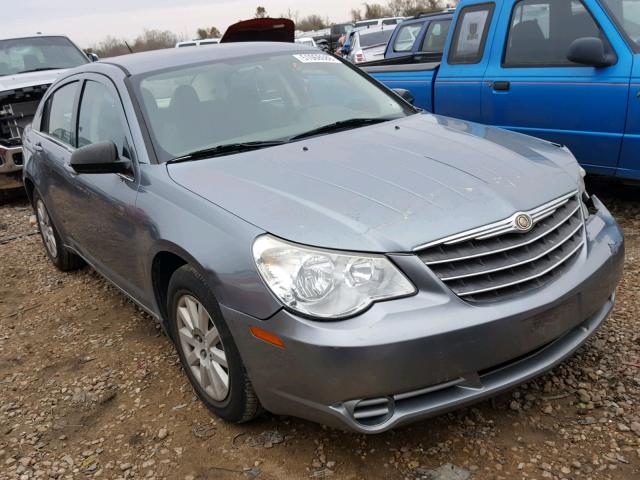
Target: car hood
<point x="23" y="80"/>
<point x="388" y="187"/>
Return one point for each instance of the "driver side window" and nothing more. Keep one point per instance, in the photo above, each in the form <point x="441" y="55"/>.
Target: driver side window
<point x="100" y="118"/>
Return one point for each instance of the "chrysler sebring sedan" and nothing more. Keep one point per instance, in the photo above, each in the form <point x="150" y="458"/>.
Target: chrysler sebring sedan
<point x="314" y="245"/>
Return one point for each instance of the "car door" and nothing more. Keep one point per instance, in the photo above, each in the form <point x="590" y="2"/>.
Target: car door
<point x="531" y="87"/>
<point x="106" y="224"/>
<point x="54" y="142"/>
<point x="458" y="86"/>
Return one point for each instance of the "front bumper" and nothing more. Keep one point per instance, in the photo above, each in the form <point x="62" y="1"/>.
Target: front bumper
<point x="10" y="167"/>
<point x="416" y="357"/>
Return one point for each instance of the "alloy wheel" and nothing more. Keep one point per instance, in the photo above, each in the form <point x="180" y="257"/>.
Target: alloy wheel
<point x="202" y="347"/>
<point x="46" y="228"/>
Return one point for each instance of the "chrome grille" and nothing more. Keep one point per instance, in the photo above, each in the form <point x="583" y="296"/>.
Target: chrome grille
<point x="496" y="261"/>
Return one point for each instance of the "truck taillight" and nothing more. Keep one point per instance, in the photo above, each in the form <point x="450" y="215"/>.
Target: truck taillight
<point x="360" y="57"/>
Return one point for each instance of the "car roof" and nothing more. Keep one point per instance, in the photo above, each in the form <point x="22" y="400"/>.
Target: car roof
<point x="429" y="17"/>
<point x="140" y="63"/>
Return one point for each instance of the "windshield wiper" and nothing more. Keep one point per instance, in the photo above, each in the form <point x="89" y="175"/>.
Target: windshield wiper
<point x="40" y="69"/>
<point x="226" y="149"/>
<point x="341" y="125"/>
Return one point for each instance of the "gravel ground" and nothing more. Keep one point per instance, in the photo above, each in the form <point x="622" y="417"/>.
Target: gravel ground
<point x="90" y="387"/>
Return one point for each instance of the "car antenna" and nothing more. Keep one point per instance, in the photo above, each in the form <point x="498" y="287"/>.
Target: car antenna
<point x="130" y="49"/>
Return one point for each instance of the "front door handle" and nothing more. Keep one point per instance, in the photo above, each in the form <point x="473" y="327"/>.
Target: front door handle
<point x="38" y="147"/>
<point x="501" y="86"/>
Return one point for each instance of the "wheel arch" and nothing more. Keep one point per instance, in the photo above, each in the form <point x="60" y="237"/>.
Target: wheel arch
<point x="166" y="260"/>
<point x="29" y="187"/>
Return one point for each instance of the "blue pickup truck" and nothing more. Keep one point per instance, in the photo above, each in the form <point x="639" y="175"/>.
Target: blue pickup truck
<point x="564" y="70"/>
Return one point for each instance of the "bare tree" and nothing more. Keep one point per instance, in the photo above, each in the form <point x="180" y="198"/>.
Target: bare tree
<point x="311" y="22"/>
<point x="291" y="15"/>
<point x="408" y="8"/>
<point x="148" y="40"/>
<point x="154" y="40"/>
<point x="356" y="15"/>
<point x="261" y="12"/>
<point x="375" y="10"/>
<point x="212" y="32"/>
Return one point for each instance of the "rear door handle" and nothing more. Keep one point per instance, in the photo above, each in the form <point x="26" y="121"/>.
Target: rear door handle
<point x="501" y="86"/>
<point x="38" y="147"/>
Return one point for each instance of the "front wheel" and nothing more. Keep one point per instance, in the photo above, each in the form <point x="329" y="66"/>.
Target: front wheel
<point x="207" y="351"/>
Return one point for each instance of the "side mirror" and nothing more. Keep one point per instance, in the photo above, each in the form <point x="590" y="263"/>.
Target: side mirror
<point x="93" y="57"/>
<point x="405" y="94"/>
<point x="101" y="157"/>
<point x="590" y="51"/>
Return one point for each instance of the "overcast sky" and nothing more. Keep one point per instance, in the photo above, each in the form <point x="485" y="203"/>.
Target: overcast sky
<point x="89" y="21"/>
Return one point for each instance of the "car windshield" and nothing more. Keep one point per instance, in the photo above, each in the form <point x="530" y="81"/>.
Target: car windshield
<point x="256" y="99"/>
<point x="378" y="37"/>
<point x="627" y="14"/>
<point x="20" y="55"/>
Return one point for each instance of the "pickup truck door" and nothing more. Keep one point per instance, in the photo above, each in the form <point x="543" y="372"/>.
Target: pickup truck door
<point x="458" y="85"/>
<point x="531" y="87"/>
<point x="629" y="166"/>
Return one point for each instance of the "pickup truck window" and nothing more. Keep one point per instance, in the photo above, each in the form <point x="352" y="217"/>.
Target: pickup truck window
<point x="536" y="40"/>
<point x="436" y="36"/>
<point x="406" y="37"/>
<point x="627" y="15"/>
<point x="470" y="34"/>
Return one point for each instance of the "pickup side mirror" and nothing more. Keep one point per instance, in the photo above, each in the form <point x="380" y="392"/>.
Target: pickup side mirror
<point x="93" y="57"/>
<point x="405" y="94"/>
<point x="590" y="51"/>
<point x="100" y="157"/>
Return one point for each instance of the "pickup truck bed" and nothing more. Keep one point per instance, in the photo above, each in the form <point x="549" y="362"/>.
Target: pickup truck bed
<point x="416" y="78"/>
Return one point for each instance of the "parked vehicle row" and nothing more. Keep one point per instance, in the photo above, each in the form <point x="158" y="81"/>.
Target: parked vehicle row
<point x="311" y="254"/>
<point x="28" y="65"/>
<point x="564" y="70"/>
<point x="367" y="44"/>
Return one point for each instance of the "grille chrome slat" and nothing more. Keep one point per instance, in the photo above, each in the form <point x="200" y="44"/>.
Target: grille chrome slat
<point x="527" y="279"/>
<point x="487" y="229"/>
<point x="520" y="241"/>
<point x="500" y="262"/>
<point x="519" y="263"/>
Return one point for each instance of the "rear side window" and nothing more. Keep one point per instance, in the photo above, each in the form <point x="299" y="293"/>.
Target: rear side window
<point x="99" y="118"/>
<point x="371" y="39"/>
<point x="470" y="34"/>
<point x="541" y="32"/>
<point x="406" y="37"/>
<point x="436" y="36"/>
<point x="58" y="116"/>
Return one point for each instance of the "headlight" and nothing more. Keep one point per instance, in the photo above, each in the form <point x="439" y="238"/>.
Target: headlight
<point x="325" y="283"/>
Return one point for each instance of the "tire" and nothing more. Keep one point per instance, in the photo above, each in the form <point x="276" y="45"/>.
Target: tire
<point x="63" y="258"/>
<point x="203" y="350"/>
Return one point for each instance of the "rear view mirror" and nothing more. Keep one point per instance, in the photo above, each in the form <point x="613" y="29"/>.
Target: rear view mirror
<point x="93" y="57"/>
<point x="406" y="95"/>
<point x="590" y="51"/>
<point x="100" y="157"/>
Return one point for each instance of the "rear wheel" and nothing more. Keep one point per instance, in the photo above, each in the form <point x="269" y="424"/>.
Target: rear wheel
<point x="207" y="351"/>
<point x="63" y="258"/>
